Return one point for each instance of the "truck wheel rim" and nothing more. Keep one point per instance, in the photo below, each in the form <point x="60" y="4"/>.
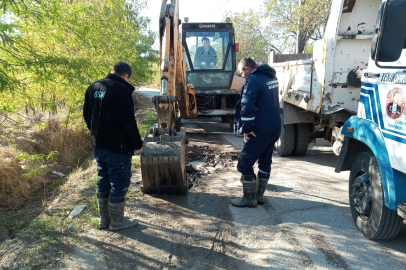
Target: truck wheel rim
<point x="362" y="195"/>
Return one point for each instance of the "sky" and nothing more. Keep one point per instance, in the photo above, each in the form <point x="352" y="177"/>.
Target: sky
<point x="200" y="10"/>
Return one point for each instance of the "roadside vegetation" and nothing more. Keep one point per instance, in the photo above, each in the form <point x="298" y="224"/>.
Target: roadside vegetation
<point x="37" y="225"/>
<point x="50" y="52"/>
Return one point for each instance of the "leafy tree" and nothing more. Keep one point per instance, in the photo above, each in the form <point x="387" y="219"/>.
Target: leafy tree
<point x="254" y="37"/>
<point x="298" y="21"/>
<point x="52" y="50"/>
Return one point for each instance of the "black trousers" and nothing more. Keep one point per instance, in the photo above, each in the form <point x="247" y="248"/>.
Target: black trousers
<point x="257" y="148"/>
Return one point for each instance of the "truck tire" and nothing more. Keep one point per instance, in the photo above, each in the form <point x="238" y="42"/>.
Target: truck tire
<point x="366" y="197"/>
<point x="178" y="125"/>
<point x="301" y="139"/>
<point x="231" y="122"/>
<point x="284" y="146"/>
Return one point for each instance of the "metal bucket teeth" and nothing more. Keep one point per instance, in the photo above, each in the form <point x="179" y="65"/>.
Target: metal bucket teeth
<point x="163" y="164"/>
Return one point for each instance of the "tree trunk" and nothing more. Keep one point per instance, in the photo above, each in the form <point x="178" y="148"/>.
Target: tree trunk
<point x="299" y="36"/>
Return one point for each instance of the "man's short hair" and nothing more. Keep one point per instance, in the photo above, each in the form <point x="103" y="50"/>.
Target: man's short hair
<point x="205" y="38"/>
<point x="246" y="62"/>
<point x="122" y="68"/>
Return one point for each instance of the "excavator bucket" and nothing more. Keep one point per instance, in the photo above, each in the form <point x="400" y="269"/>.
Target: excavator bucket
<point x="163" y="164"/>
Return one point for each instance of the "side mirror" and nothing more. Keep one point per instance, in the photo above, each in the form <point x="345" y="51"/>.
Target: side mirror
<point x="390" y="31"/>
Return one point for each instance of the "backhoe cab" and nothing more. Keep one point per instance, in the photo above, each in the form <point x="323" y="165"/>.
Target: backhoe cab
<point x="209" y="51"/>
<point x="220" y="39"/>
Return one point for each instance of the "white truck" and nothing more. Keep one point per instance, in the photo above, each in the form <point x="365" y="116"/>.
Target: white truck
<point x="352" y="92"/>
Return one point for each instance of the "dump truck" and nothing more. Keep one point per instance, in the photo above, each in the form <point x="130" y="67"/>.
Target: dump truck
<point x="374" y="144"/>
<point x="195" y="81"/>
<point x="351" y="92"/>
<point x="320" y="91"/>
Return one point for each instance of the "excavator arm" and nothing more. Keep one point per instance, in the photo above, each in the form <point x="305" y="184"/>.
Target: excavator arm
<point x="163" y="157"/>
<point x="177" y="99"/>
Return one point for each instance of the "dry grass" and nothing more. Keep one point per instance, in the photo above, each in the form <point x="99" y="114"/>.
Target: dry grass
<point x="39" y="135"/>
<point x="51" y="235"/>
<point x="37" y="138"/>
<point x="13" y="187"/>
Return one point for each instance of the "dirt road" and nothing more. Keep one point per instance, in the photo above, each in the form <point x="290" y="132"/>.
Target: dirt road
<point x="304" y="224"/>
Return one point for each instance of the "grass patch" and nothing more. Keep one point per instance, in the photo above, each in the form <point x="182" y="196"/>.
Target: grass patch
<point x="57" y="183"/>
<point x="92" y="208"/>
<point x="147" y="121"/>
<point x="51" y="235"/>
<point x="131" y="194"/>
<point x="136" y="162"/>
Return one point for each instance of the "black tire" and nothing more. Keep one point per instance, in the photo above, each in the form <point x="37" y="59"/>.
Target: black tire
<point x="284" y="146"/>
<point x="230" y="120"/>
<point x="301" y="139"/>
<point x="224" y="119"/>
<point x="368" y="209"/>
<point x="178" y="125"/>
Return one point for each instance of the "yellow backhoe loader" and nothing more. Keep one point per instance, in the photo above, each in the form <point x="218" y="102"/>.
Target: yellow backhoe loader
<point x="188" y="89"/>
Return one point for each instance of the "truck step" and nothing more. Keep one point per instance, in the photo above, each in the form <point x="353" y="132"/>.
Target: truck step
<point x="402" y="210"/>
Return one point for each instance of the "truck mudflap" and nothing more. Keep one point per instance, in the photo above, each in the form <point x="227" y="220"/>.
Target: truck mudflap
<point x="402" y="210"/>
<point x="163" y="163"/>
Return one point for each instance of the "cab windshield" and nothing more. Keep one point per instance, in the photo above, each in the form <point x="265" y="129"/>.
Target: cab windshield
<point x="208" y="50"/>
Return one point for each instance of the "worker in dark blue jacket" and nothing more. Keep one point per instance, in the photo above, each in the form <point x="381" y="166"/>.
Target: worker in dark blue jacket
<point x="257" y="117"/>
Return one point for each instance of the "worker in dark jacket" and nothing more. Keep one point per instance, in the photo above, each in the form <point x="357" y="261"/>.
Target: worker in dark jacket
<point x="205" y="57"/>
<point x="257" y="117"/>
<point x="109" y="115"/>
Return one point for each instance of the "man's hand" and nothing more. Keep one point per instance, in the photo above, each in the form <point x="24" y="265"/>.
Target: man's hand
<point x="247" y="134"/>
<point x="137" y="152"/>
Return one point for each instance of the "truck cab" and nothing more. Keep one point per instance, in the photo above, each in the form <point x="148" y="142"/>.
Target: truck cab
<point x="374" y="144"/>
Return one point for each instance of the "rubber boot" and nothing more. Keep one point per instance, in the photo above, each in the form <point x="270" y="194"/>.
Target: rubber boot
<point x="249" y="185"/>
<point x="262" y="181"/>
<point x="118" y="221"/>
<point x="103" y="202"/>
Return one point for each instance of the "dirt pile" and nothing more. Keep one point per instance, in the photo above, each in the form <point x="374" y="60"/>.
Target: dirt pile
<point x="203" y="160"/>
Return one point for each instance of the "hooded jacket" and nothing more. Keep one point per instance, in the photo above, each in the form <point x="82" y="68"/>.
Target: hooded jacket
<point x="109" y="115"/>
<point x="258" y="108"/>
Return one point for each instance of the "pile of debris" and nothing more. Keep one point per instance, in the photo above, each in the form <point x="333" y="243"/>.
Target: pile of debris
<point x="204" y="160"/>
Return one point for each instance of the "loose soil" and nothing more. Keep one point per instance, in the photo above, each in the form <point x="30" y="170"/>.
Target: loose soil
<point x="207" y="148"/>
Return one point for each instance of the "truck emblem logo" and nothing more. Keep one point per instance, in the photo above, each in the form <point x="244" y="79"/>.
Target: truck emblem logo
<point x="395" y="103"/>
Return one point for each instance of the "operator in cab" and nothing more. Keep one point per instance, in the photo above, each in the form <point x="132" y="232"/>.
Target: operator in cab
<point x="205" y="57"/>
